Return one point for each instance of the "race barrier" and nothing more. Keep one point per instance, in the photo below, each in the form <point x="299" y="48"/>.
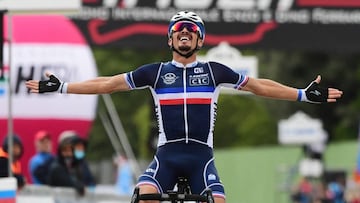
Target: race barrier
<point x="46" y="194"/>
<point x="8" y="189"/>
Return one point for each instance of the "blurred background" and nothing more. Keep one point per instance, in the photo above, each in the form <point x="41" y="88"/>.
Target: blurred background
<point x="290" y="41"/>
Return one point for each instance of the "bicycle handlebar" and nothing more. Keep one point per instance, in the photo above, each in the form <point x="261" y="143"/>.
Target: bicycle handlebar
<point x="173" y="197"/>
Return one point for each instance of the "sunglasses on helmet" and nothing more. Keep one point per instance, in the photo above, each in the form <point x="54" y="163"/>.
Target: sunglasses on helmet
<point x="179" y="26"/>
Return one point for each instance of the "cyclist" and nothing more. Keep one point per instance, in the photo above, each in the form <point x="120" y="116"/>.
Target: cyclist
<point x="185" y="93"/>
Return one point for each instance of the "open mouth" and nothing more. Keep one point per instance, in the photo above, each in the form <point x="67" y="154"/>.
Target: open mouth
<point x="184" y="38"/>
<point x="185" y="41"/>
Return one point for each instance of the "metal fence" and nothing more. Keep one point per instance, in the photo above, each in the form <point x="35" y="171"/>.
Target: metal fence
<point x="45" y="194"/>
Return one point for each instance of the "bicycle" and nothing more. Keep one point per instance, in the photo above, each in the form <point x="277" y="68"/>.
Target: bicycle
<point x="182" y="194"/>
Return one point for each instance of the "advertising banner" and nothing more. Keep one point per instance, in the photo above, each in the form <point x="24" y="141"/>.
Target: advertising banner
<point x="300" y="129"/>
<point x="311" y="25"/>
<point x="45" y="43"/>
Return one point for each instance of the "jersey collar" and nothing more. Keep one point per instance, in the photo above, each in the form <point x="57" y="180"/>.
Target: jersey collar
<point x="180" y="65"/>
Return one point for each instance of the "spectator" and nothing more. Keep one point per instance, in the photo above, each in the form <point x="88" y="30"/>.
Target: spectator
<point x="303" y="193"/>
<point x="63" y="171"/>
<point x="17" y="151"/>
<point x="40" y="163"/>
<point x="124" y="181"/>
<point x="80" y="146"/>
<point x="335" y="191"/>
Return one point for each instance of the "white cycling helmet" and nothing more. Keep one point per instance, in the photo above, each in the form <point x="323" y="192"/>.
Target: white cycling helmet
<point x="187" y="16"/>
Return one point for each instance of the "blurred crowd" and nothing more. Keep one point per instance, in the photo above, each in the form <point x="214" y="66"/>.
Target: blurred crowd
<point x="313" y="190"/>
<point x="321" y="185"/>
<point x="65" y="166"/>
<point x="68" y="167"/>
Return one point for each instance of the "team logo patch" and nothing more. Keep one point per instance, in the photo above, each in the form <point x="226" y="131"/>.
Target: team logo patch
<point x="150" y="170"/>
<point x="198" y="80"/>
<point x="211" y="176"/>
<point x="198" y="70"/>
<point x="169" y="78"/>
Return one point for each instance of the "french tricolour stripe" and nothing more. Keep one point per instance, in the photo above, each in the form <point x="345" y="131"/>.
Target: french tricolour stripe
<point x="11" y="200"/>
<point x="187" y="101"/>
<point x="191" y="98"/>
<point x="7" y="194"/>
<point x="7" y="190"/>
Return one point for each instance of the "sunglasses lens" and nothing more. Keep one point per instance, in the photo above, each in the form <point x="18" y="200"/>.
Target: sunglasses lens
<point x="191" y="27"/>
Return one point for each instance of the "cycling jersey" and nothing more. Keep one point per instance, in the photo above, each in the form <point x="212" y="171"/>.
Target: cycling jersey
<point x="185" y="97"/>
<point x="185" y="100"/>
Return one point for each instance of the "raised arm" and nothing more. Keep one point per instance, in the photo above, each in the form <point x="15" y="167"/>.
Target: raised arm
<point x="314" y="93"/>
<point x="99" y="85"/>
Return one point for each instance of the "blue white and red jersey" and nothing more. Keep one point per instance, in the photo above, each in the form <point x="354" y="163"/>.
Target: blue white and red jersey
<point x="185" y="101"/>
<point x="185" y="97"/>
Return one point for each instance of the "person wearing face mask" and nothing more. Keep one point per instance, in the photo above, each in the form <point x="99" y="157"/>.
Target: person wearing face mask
<point x="64" y="172"/>
<point x="80" y="145"/>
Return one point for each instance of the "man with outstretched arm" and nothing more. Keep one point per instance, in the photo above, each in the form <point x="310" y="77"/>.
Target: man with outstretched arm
<point x="185" y="93"/>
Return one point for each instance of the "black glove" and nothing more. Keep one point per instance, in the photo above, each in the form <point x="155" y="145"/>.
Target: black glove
<point x="317" y="94"/>
<point x="52" y="85"/>
<point x="314" y="93"/>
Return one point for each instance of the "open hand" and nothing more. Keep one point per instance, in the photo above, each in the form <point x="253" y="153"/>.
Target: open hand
<point x="317" y="94"/>
<point x="51" y="85"/>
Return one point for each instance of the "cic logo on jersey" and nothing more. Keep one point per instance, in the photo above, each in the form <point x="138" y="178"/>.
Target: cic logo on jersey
<point x="198" y="80"/>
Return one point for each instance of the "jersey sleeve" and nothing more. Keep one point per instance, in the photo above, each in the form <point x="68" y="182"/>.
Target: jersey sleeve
<point x="225" y="76"/>
<point x="144" y="76"/>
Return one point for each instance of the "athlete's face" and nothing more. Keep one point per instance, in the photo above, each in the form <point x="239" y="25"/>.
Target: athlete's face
<point x="185" y="37"/>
